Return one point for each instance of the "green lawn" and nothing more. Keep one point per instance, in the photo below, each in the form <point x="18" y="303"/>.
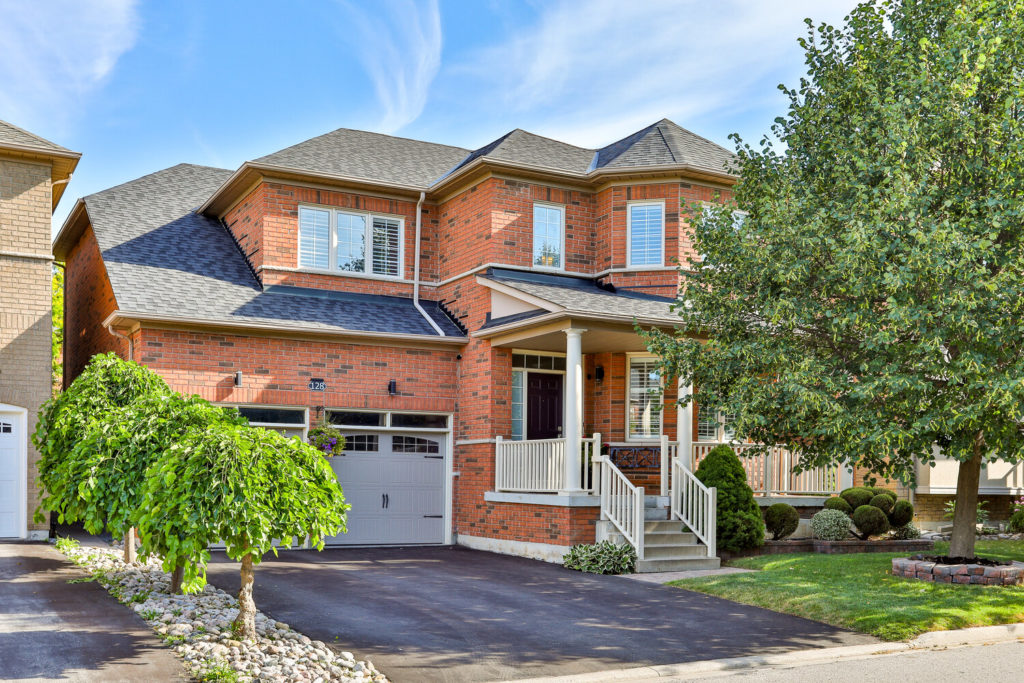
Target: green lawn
<point x="858" y="592"/>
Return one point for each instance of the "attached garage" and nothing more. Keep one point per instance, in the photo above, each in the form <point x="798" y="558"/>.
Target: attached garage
<point x="13" y="444"/>
<point x="395" y="478"/>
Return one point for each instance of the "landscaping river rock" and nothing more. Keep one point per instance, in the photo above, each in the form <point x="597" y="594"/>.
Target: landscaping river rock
<point x="198" y="628"/>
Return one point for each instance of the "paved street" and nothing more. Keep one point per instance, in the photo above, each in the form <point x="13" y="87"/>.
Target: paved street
<point x="53" y="630"/>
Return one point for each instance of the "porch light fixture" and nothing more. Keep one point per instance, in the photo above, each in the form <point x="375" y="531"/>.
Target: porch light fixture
<point x="238" y="378"/>
<point x="392" y="387"/>
<point x="599" y="373"/>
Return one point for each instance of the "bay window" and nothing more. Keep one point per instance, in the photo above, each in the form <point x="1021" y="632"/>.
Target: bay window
<point x="350" y="242"/>
<point x="646" y="234"/>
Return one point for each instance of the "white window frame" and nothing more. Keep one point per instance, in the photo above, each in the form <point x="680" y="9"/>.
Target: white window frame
<point x="720" y="429"/>
<point x="387" y="427"/>
<point x="561" y="230"/>
<point x="629" y="233"/>
<point x="304" y="426"/>
<point x="332" y="256"/>
<point x="641" y="356"/>
<point x="736" y="214"/>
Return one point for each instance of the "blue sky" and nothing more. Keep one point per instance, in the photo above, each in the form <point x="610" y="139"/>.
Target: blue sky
<point x="137" y="87"/>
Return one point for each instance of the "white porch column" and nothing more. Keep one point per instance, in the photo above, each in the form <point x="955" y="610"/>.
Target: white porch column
<point x="684" y="418"/>
<point x="573" y="415"/>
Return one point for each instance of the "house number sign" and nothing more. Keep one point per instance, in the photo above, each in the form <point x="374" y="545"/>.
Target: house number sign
<point x="317" y="384"/>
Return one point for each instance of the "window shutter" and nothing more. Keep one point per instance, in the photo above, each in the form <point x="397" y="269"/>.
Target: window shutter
<point x="314" y="238"/>
<point x="386" y="246"/>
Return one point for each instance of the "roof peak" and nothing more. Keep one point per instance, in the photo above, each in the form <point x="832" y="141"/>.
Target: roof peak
<point x="13" y="134"/>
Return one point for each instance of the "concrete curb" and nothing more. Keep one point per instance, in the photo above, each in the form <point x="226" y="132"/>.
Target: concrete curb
<point x="981" y="635"/>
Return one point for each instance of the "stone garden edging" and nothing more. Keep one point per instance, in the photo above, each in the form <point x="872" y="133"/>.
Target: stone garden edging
<point x="923" y="570"/>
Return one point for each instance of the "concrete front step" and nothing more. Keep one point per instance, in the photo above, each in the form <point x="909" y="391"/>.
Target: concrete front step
<point x="648" y="566"/>
<point x="674" y="551"/>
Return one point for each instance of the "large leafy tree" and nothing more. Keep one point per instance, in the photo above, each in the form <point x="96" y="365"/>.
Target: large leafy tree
<point x="869" y="307"/>
<point x="246" y="487"/>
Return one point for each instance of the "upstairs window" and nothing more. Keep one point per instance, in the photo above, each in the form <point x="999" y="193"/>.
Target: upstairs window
<point x="350" y="242"/>
<point x="646" y="230"/>
<point x="547" y="236"/>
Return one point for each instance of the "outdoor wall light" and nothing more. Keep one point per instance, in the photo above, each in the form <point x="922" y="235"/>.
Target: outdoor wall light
<point x="599" y="373"/>
<point x="238" y="378"/>
<point x="392" y="387"/>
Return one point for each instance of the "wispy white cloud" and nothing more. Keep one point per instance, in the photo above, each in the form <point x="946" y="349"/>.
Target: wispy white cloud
<point x="56" y="53"/>
<point x="399" y="44"/>
<point x="589" y="73"/>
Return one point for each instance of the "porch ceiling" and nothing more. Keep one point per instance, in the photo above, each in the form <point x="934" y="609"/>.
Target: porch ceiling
<point x="597" y="338"/>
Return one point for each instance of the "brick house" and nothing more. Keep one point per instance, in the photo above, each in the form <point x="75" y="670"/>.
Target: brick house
<point x="464" y="317"/>
<point x="33" y="175"/>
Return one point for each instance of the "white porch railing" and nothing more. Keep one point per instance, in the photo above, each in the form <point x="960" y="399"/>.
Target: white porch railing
<point x="622" y="504"/>
<point x="695" y="505"/>
<point x="771" y="473"/>
<point x="538" y="465"/>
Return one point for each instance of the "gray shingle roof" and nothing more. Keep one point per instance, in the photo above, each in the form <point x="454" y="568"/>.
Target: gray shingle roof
<point x="586" y="297"/>
<point x="11" y="134"/>
<point x="164" y="259"/>
<point x="523" y="147"/>
<point x="370" y="156"/>
<point x="665" y="142"/>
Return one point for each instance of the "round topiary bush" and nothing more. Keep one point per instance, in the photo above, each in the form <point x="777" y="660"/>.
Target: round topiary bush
<point x="837" y="503"/>
<point x="907" y="532"/>
<point x="781" y="520"/>
<point x="902" y="513"/>
<point x="879" y="491"/>
<point x="830" y="525"/>
<point x="857" y="496"/>
<point x="740" y="526"/>
<point x="883" y="503"/>
<point x="870" y="521"/>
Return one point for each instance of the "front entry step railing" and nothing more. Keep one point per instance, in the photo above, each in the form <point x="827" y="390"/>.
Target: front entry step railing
<point x="622" y="503"/>
<point x="695" y="505"/>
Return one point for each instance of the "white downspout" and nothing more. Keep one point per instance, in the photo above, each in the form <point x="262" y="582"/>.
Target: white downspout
<point x="127" y="338"/>
<point x="416" y="269"/>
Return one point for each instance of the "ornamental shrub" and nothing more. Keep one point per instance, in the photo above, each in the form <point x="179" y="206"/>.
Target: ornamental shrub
<point x="601" y="558"/>
<point x="740" y="526"/>
<point x="870" y="521"/>
<point x="879" y="491"/>
<point x="830" y="525"/>
<point x="781" y="520"/>
<point x="883" y="503"/>
<point x="1017" y="522"/>
<point x="248" y="487"/>
<point x="837" y="503"/>
<point x="902" y="513"/>
<point x="105" y="384"/>
<point x="907" y="532"/>
<point x="857" y="496"/>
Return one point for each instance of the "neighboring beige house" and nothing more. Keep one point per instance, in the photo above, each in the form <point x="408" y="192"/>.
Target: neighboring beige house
<point x="33" y="175"/>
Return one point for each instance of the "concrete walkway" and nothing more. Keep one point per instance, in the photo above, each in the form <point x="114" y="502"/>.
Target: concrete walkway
<point x="453" y="614"/>
<point x="665" y="577"/>
<point x="53" y="630"/>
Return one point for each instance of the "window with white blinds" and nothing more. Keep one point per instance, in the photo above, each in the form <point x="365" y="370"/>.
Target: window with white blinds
<point x="646" y="234"/>
<point x="644" y="411"/>
<point x="350" y="242"/>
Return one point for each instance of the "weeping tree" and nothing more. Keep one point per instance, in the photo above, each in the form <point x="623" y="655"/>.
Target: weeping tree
<point x="248" y="488"/>
<point x="866" y="310"/>
<point x="117" y="449"/>
<point x="66" y="467"/>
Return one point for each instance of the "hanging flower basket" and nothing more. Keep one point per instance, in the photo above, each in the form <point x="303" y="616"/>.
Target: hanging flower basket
<point x="327" y="439"/>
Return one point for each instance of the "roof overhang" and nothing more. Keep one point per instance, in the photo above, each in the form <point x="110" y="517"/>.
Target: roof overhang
<point x="69" y="234"/>
<point x="129" y="321"/>
<point x="251" y="172"/>
<point x="62" y="164"/>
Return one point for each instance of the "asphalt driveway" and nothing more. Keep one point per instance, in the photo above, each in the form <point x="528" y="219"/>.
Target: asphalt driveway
<point x="53" y="630"/>
<point x="454" y="614"/>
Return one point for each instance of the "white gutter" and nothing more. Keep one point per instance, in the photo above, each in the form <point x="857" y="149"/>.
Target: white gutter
<point x="416" y="269"/>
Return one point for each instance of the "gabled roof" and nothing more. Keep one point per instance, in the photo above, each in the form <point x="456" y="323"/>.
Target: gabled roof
<point x="522" y="147"/>
<point x="584" y="297"/>
<point x="166" y="262"/>
<point x="22" y="143"/>
<point x="369" y="156"/>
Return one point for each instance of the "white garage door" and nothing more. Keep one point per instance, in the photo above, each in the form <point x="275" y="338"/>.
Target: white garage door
<point x="10" y="477"/>
<point x="395" y="485"/>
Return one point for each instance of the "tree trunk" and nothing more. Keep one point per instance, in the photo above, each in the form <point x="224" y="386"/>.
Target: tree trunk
<point x="129" y="547"/>
<point x="245" y="624"/>
<point x="176" y="578"/>
<point x="961" y="544"/>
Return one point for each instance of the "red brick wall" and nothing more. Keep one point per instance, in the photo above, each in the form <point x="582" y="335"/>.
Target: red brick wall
<point x="277" y="371"/>
<point x="245" y="222"/>
<point x="88" y="300"/>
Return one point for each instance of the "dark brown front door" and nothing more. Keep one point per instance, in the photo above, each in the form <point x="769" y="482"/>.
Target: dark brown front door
<point x="543" y="405"/>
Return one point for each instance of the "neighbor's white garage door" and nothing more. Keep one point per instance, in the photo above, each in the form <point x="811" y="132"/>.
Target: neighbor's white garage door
<point x="395" y="485"/>
<point x="10" y="477"/>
